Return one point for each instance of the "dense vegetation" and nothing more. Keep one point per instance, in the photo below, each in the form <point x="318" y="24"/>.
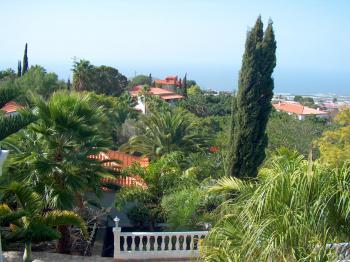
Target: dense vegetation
<point x="288" y="214"/>
<point x="222" y="160"/>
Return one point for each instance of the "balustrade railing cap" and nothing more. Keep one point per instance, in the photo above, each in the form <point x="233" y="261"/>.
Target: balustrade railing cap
<point x="3" y="156"/>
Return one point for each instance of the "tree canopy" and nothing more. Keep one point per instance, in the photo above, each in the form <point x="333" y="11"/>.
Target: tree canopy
<point x="102" y="79"/>
<point x="140" y="80"/>
<point x="285" y="130"/>
<point x="334" y="144"/>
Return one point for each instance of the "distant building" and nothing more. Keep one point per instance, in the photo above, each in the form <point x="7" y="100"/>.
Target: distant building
<point x="169" y="83"/>
<point x="300" y="111"/>
<point x="165" y="94"/>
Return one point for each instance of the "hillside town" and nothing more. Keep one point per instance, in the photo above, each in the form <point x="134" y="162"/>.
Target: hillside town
<point x="99" y="163"/>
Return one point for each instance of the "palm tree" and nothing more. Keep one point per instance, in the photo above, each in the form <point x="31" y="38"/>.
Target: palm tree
<point x="10" y="124"/>
<point x="30" y="222"/>
<point x="53" y="154"/>
<point x="163" y="132"/>
<point x="288" y="213"/>
<point x="82" y="75"/>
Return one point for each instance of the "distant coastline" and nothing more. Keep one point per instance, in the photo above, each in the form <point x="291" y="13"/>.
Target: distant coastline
<point x="223" y="77"/>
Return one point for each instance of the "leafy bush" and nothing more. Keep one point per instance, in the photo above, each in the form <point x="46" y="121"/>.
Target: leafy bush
<point x="180" y="208"/>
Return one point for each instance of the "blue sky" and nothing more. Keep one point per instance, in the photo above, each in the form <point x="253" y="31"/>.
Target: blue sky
<point x="204" y="38"/>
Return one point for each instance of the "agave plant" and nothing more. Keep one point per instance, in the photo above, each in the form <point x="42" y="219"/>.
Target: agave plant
<point x="30" y="222"/>
<point x="289" y="213"/>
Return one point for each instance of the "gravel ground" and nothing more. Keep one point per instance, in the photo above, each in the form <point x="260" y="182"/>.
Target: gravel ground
<point x="52" y="257"/>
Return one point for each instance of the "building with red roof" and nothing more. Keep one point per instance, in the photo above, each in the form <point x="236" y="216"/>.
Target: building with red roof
<point x="138" y="93"/>
<point x="118" y="161"/>
<point x="300" y="111"/>
<point x="170" y="83"/>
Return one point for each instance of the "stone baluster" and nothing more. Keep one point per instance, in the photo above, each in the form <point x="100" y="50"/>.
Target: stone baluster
<point x="125" y="244"/>
<point x="162" y="245"/>
<point x="133" y="244"/>
<point x="177" y="242"/>
<point x="191" y="242"/>
<point x="116" y="233"/>
<point x="148" y="244"/>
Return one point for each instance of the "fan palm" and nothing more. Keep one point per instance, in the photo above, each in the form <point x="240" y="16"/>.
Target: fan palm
<point x="29" y="222"/>
<point x="53" y="154"/>
<point x="288" y="213"/>
<point x="82" y="74"/>
<point x="163" y="132"/>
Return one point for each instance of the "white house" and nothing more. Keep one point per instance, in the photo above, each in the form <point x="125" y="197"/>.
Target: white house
<point x="300" y="111"/>
<point x="163" y="93"/>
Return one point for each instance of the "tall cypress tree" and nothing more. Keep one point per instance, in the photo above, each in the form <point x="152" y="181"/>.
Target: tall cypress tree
<point x="19" y="68"/>
<point x="149" y="81"/>
<point x="184" y="86"/>
<point x="25" y="60"/>
<point x="251" y="105"/>
<point x="69" y="86"/>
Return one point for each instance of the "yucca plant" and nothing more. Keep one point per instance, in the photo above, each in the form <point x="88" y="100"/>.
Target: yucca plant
<point x="30" y="222"/>
<point x="289" y="213"/>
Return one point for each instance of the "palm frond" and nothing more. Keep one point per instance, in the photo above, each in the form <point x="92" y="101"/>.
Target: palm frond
<point x="9" y="216"/>
<point x="30" y="201"/>
<point x="165" y="132"/>
<point x="230" y="185"/>
<point x="57" y="218"/>
<point x="294" y="207"/>
<point x="13" y="123"/>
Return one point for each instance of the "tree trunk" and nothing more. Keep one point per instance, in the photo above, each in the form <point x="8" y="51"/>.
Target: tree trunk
<point x="64" y="243"/>
<point x="152" y="224"/>
<point x="79" y="200"/>
<point x="27" y="256"/>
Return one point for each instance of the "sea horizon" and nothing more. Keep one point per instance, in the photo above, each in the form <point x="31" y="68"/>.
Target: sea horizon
<point x="222" y="77"/>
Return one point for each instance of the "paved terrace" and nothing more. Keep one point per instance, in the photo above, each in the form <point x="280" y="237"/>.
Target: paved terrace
<point x="14" y="256"/>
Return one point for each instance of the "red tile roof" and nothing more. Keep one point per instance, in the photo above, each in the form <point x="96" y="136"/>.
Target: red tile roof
<point x="161" y="92"/>
<point x="171" y="96"/>
<point x="298" y="109"/>
<point x="127" y="160"/>
<point x="123" y="160"/>
<point x="11" y="107"/>
<point x="169" y="80"/>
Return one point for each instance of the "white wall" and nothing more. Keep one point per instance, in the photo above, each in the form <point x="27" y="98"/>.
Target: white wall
<point x="141" y="106"/>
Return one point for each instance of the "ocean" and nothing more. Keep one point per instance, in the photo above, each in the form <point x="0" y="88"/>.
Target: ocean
<point x="225" y="77"/>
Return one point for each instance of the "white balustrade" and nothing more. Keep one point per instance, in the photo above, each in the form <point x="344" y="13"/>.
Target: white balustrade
<point x="155" y="245"/>
<point x="341" y="251"/>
